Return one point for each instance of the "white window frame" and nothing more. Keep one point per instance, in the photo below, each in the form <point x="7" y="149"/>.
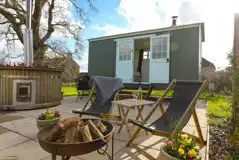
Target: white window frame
<point x="161" y="50"/>
<point x="135" y="37"/>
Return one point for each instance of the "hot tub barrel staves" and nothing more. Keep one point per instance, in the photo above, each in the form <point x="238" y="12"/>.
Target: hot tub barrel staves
<point x="29" y="87"/>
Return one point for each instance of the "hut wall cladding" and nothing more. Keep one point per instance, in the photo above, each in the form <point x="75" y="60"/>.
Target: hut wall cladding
<point x="47" y="85"/>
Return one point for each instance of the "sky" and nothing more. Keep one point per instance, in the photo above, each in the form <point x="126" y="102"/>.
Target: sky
<point x="122" y="16"/>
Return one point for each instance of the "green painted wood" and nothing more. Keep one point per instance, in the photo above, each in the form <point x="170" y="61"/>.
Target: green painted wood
<point x="102" y="57"/>
<point x="184" y="55"/>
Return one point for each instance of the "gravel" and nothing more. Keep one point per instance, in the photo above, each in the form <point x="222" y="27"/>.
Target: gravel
<point x="219" y="147"/>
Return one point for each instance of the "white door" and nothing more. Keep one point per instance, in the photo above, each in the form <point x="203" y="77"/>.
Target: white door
<point x="124" y="60"/>
<point x="159" y="59"/>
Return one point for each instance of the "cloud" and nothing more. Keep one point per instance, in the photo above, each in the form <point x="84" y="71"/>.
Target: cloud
<point x="187" y="13"/>
<point x="83" y="62"/>
<point x="110" y="29"/>
<point x="139" y="15"/>
<point x="217" y="15"/>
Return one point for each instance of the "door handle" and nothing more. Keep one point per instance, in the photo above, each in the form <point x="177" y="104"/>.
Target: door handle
<point x="167" y="60"/>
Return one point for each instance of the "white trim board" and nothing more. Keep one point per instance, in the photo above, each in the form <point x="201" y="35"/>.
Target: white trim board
<point x="135" y="37"/>
<point x="200" y="54"/>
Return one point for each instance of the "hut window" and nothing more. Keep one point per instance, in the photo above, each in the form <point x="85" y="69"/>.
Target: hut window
<point x="160" y="48"/>
<point x="125" y="51"/>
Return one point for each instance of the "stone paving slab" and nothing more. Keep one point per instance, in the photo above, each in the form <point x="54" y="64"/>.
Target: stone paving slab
<point x="13" y="125"/>
<point x="29" y="131"/>
<point x="9" y="116"/>
<point x="24" y="143"/>
<point x="3" y="130"/>
<point x="136" y="152"/>
<point x="33" y="113"/>
<point x="118" y="145"/>
<point x="10" y="139"/>
<point x="29" y="150"/>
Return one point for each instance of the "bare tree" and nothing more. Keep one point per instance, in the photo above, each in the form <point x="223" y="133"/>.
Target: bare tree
<point x="54" y="22"/>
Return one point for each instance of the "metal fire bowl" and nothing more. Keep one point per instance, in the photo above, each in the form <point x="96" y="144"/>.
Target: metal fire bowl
<point x="74" y="149"/>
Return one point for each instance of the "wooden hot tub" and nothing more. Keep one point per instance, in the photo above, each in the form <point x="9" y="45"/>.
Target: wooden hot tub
<point x="29" y="87"/>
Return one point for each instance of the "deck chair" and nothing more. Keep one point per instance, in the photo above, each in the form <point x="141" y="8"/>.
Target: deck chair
<point x="104" y="91"/>
<point x="179" y="111"/>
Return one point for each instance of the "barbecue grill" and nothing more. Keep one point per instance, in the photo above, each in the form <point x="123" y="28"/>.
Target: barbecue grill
<point x="66" y="150"/>
<point x="83" y="84"/>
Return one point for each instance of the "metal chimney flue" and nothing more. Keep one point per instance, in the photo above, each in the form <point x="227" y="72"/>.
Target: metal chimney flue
<point x="28" y="42"/>
<point x="174" y="21"/>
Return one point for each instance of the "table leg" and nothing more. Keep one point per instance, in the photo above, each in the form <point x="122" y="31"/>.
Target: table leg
<point x="140" y="109"/>
<point x="112" y="154"/>
<point x="119" y="111"/>
<point x="124" y="120"/>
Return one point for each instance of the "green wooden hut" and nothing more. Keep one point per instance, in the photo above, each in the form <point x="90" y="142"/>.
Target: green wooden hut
<point x="168" y="53"/>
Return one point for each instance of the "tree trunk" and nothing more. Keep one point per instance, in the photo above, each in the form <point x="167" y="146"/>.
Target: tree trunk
<point x="235" y="97"/>
<point x="235" y="65"/>
<point x="38" y="55"/>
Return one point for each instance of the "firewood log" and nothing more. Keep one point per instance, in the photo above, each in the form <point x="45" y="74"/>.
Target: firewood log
<point x="99" y="124"/>
<point x="95" y="132"/>
<point x="85" y="133"/>
<point x="72" y="121"/>
<point x="79" y="136"/>
<point x="70" y="134"/>
<point x="55" y="133"/>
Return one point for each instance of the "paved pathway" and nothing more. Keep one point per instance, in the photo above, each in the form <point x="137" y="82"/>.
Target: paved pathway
<point x="18" y="137"/>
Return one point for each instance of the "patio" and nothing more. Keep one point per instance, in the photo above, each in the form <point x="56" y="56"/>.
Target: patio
<point x="18" y="136"/>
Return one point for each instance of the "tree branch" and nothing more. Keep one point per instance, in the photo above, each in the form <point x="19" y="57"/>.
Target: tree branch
<point x="53" y="49"/>
<point x="36" y="20"/>
<point x="4" y="22"/>
<point x="16" y="26"/>
<point x="50" y="17"/>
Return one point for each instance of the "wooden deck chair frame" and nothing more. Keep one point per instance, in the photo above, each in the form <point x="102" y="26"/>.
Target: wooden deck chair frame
<point x="103" y="116"/>
<point x="191" y="108"/>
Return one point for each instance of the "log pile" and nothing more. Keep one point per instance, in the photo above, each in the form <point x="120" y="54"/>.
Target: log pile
<point x="74" y="130"/>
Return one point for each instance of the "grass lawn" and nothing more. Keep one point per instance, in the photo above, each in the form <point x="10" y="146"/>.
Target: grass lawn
<point x="218" y="107"/>
<point x="69" y="91"/>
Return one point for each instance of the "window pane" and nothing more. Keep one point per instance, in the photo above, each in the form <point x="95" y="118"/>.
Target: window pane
<point x="154" y="55"/>
<point x="129" y="57"/>
<point x="165" y="47"/>
<point x="164" y="54"/>
<point x="160" y="40"/>
<point x="160" y="48"/>
<point x="164" y="40"/>
<point x="120" y="58"/>
<point x="154" y="49"/>
<point x="125" y="57"/>
<point x="159" y="55"/>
